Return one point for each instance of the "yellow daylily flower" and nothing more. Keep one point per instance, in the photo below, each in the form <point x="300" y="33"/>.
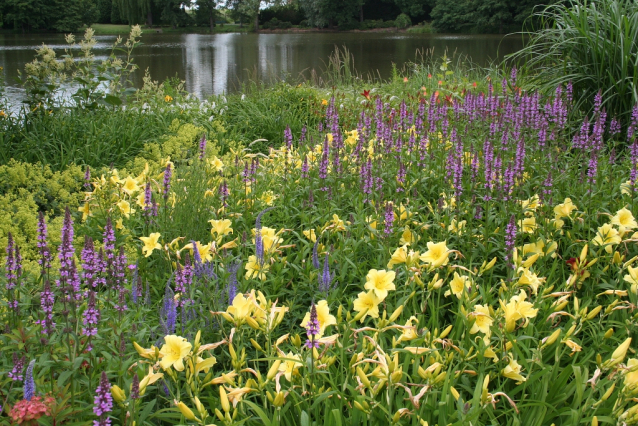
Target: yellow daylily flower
<point x="125" y="208"/>
<point x="241" y="309"/>
<point x="149" y="379"/>
<point x="409" y="331"/>
<point x="380" y="281"/>
<point x="221" y="227"/>
<point x="516" y="309"/>
<point x="86" y="211"/>
<point x="458" y="285"/>
<point x="368" y="303"/>
<point x="565" y="209"/>
<point x="607" y="237"/>
<point x="290" y="365"/>
<point x="527" y="225"/>
<point x="151" y="243"/>
<point x="130" y="186"/>
<point x="632" y="278"/>
<point x="256" y="270"/>
<point x="310" y="234"/>
<point x="513" y="371"/>
<point x="624" y="220"/>
<point x="174" y="351"/>
<point x="437" y="254"/>
<point x="482" y="319"/>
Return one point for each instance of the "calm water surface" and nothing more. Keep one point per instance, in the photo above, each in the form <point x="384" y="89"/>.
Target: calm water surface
<point x="214" y="64"/>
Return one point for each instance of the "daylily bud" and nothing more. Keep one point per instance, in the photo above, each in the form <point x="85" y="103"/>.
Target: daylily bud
<point x="233" y="354"/>
<point x="609" y="333"/>
<point x="552" y="338"/>
<point x="396" y="376"/>
<point x="272" y="372"/>
<point x="359" y="407"/>
<point x="619" y="354"/>
<point x="594" y="421"/>
<point x="186" y="412"/>
<point x="594" y="312"/>
<point x="219" y="415"/>
<point x="296" y="340"/>
<point x="256" y="345"/>
<point x="252" y="323"/>
<point x="118" y="394"/>
<point x="445" y="332"/>
<point x="224" y="399"/>
<point x="363" y="377"/>
<point x="607" y="394"/>
<point x="339" y="313"/>
<point x="571" y="330"/>
<point x="395" y="314"/>
<point x="561" y="305"/>
<point x="280" y="399"/>
<point x="227" y="317"/>
<point x="454" y="393"/>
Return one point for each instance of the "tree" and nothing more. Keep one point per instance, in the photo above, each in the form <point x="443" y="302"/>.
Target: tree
<point x="453" y="16"/>
<point x="207" y="10"/>
<point x="492" y="14"/>
<point x="416" y="8"/>
<point x="104" y="8"/>
<point x="331" y="12"/>
<point x="251" y="8"/>
<point x="27" y="14"/>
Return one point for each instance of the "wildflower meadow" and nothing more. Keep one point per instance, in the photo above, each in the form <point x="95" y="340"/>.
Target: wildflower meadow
<point x="428" y="251"/>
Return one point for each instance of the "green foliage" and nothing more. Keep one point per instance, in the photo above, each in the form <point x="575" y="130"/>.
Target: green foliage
<point x="403" y="21"/>
<point x="591" y="44"/>
<point x="104" y="9"/>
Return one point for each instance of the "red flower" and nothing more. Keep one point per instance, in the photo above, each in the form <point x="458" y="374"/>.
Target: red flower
<point x="366" y="94"/>
<point x="573" y="263"/>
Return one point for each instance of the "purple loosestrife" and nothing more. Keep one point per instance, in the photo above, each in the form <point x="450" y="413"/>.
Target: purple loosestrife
<point x="87" y="178"/>
<point x="224" y="193"/>
<point x="312" y="328"/>
<point x="150" y="206"/>
<point x="29" y="383"/>
<point x="18" y="367"/>
<point x="633" y="154"/>
<point x="202" y="147"/>
<point x="91" y="316"/>
<point x="13" y="271"/>
<point x="90" y="264"/>
<point x="45" y="253"/>
<point x="510" y="237"/>
<point x="168" y="174"/>
<point x="103" y="402"/>
<point x="401" y="173"/>
<point x="168" y="314"/>
<point x="389" y="218"/>
<point x="288" y="137"/>
<point x="323" y="164"/>
<point x="304" y="167"/>
<point x="633" y="125"/>
<point x="47" y="301"/>
<point x="66" y="253"/>
<point x="135" y="387"/>
<point x="302" y="137"/>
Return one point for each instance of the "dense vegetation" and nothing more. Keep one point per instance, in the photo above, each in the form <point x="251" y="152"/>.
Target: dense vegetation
<point x="468" y="15"/>
<point x="450" y="247"/>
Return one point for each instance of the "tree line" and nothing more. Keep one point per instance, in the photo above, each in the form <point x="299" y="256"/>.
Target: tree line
<point x="444" y="15"/>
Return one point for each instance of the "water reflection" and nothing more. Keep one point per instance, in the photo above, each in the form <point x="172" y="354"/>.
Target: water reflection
<point x="214" y="64"/>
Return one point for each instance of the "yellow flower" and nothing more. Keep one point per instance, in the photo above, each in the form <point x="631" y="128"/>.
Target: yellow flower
<point x="368" y="303"/>
<point x="337" y="223"/>
<point x="204" y="250"/>
<point x="221" y="227"/>
<point x="621" y="351"/>
<point x="183" y="408"/>
<point x="241" y="308"/>
<point x="150" y="243"/>
<point x="575" y="347"/>
<point x="626" y="188"/>
<point x="565" y="209"/>
<point x="403" y="213"/>
<point x="631" y="376"/>
<point x="174" y="351"/>
<point x="529" y="278"/>
<point x="323" y="316"/>
<point x="625" y="220"/>
<point x="516" y="309"/>
<point x="380" y="282"/>
<point x="268" y="198"/>
<point x="402" y="255"/>
<point x="118" y="394"/>
<point x="256" y="270"/>
<point x="409" y="331"/>
<point x="513" y="371"/>
<point x="606" y="236"/>
<point x="437" y="254"/>
<point x="458" y="285"/>
<point x="149" y="379"/>
<point x="310" y="234"/>
<point x="125" y="208"/>
<point x="168" y="99"/>
<point x="632" y="278"/>
<point x="290" y="365"/>
<point x="324" y="102"/>
<point x="482" y="319"/>
<point x="140" y="200"/>
<point x="457" y="227"/>
<point x="408" y="237"/>
<point x="130" y="186"/>
<point x="205" y="364"/>
<point x="86" y="211"/>
<point x="236" y="394"/>
<point x="216" y="164"/>
<point x="527" y="225"/>
<point x="531" y="204"/>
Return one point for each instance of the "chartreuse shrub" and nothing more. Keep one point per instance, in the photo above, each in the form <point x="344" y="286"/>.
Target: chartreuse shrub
<point x="441" y="256"/>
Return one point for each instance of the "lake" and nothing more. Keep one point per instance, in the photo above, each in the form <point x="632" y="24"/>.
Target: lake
<point x="219" y="63"/>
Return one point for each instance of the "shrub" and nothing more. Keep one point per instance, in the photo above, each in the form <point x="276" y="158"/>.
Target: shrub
<point x="403" y="21"/>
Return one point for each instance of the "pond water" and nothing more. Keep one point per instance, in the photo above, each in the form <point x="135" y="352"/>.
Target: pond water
<point x="219" y="63"/>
